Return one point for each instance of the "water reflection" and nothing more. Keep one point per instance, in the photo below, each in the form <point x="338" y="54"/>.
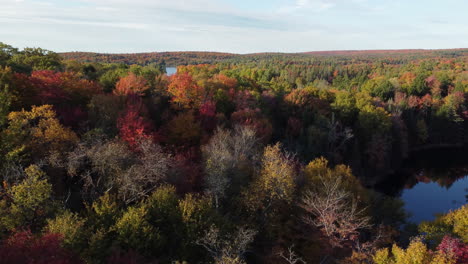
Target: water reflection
<point x="427" y="197"/>
<point x="445" y="178"/>
<point x="432" y="182"/>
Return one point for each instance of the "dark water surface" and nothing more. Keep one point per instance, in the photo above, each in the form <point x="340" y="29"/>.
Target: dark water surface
<point x="426" y="199"/>
<point x="431" y="182"/>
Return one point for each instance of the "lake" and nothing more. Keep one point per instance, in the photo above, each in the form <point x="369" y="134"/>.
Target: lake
<point x="431" y="182"/>
<point x="171" y="71"/>
<point x="429" y="197"/>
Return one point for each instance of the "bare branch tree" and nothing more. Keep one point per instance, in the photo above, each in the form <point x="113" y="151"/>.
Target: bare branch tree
<point x="245" y="143"/>
<point x="291" y="257"/>
<point x="12" y="173"/>
<point x="218" y="161"/>
<point x="375" y="242"/>
<point x="335" y="212"/>
<point x="103" y="166"/>
<point x="98" y="164"/>
<point x="224" y="154"/>
<point x="230" y="249"/>
<point x="149" y="171"/>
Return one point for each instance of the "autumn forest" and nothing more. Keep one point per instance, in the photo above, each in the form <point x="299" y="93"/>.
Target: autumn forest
<point x="256" y="158"/>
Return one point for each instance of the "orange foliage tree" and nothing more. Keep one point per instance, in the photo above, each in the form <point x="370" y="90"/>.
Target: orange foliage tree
<point x="131" y="84"/>
<point x="186" y="92"/>
<point x="225" y="82"/>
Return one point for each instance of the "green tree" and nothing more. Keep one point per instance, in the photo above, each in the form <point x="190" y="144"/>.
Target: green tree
<point x="36" y="59"/>
<point x="419" y="86"/>
<point x="197" y="215"/>
<point x="104" y="212"/>
<point x="72" y="228"/>
<point x="164" y="214"/>
<point x="109" y="79"/>
<point x="28" y="203"/>
<point x="373" y="120"/>
<point x="345" y="106"/>
<point x="6" y="52"/>
<point x="101" y="217"/>
<point x="6" y="97"/>
<point x="135" y="232"/>
<point x="379" y="87"/>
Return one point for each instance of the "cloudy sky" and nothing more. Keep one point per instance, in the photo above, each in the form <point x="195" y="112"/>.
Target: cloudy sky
<point x="238" y="26"/>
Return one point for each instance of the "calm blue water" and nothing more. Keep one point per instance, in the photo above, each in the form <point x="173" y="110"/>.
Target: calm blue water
<point x="171" y="70"/>
<point x="426" y="199"/>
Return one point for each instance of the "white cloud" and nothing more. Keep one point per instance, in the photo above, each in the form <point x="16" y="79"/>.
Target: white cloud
<point x="301" y="3"/>
<point x="106" y="9"/>
<point x="308" y="6"/>
<point x="216" y="25"/>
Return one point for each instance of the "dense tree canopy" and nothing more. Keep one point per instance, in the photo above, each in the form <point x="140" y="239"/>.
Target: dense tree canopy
<point x="261" y="158"/>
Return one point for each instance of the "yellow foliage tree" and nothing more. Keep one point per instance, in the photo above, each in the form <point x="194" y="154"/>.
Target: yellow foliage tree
<point x="453" y="223"/>
<point x="275" y="182"/>
<point x="37" y="131"/>
<point x="72" y="228"/>
<point x="416" y="253"/>
<point x="318" y="170"/>
<point x="184" y="129"/>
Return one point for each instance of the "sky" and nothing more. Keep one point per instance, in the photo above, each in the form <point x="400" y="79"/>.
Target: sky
<point x="235" y="26"/>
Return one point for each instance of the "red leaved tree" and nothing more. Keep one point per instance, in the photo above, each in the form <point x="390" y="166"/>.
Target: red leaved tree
<point x="254" y="119"/>
<point x="68" y="92"/>
<point x="25" y="248"/>
<point x="187" y="173"/>
<point x="55" y="87"/>
<point x="132" y="124"/>
<point x="208" y="115"/>
<point x="130" y="257"/>
<point x="244" y="99"/>
<point x="455" y="247"/>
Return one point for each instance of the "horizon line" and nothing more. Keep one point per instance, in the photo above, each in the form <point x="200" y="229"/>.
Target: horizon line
<point x="269" y="52"/>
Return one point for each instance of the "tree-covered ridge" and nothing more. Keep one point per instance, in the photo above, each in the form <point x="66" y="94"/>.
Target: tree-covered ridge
<point x="190" y="58"/>
<point x="167" y="58"/>
<point x="263" y="160"/>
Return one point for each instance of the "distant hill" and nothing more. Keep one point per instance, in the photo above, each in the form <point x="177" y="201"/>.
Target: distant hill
<point x="196" y="57"/>
<point x="169" y="58"/>
<point x="385" y="52"/>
